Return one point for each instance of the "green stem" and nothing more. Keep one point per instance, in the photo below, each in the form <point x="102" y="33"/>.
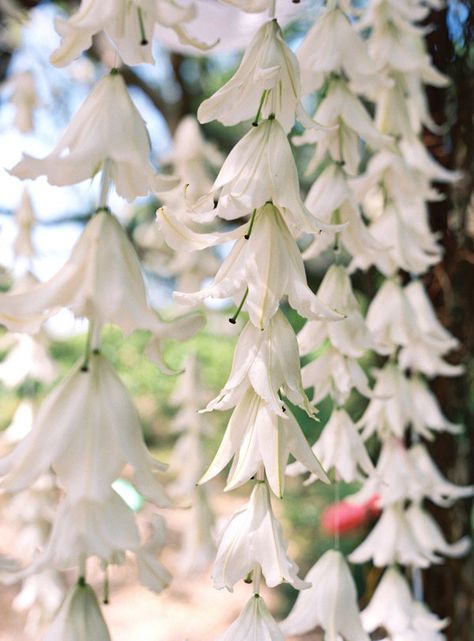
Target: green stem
<point x="105" y="596"/>
<point x="233" y="320"/>
<point x="252" y="221"/>
<point x="88" y="348"/>
<point x="141" y="26"/>
<point x="260" y="107"/>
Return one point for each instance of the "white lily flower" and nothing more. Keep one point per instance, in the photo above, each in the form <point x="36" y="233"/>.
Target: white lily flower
<point x="87" y="429"/>
<point x="393" y="608"/>
<point x="106" y="130"/>
<point x="129" y="25"/>
<point x="418" y="158"/>
<point x="388" y="178"/>
<point x="429" y="536"/>
<point x="402" y="107"/>
<point x="254" y="622"/>
<point x="86" y="528"/>
<point x="341" y="448"/>
<point x="393" y="540"/>
<point x="268" y="361"/>
<point x="254" y="265"/>
<point x="390" y="409"/>
<point x="435" y="486"/>
<point x="396" y="478"/>
<point x="332" y="45"/>
<point x="151" y="572"/>
<point x="346" y="121"/>
<point x="426" y="318"/>
<point x="411" y="245"/>
<point x="349" y="336"/>
<point x="257" y="436"/>
<point x="331" y="197"/>
<point x="253" y="536"/>
<point x="331" y="602"/>
<point x="398" y="402"/>
<point x="420" y="357"/>
<point x="405" y="317"/>
<point x="426" y="414"/>
<point x="101" y="281"/>
<point x="259" y="169"/>
<point x="79" y="618"/>
<point x="396" y="43"/>
<point x="391" y="319"/>
<point x="334" y="374"/>
<point x="433" y="340"/>
<point x="266" y="82"/>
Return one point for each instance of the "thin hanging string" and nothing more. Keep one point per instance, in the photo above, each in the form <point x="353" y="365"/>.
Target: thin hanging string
<point x="337" y="498"/>
<point x="104" y="185"/>
<point x="272" y="9"/>
<point x="416" y="573"/>
<point x="257" y="570"/>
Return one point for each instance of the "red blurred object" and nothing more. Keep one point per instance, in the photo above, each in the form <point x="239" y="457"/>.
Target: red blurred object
<point x="344" y="516"/>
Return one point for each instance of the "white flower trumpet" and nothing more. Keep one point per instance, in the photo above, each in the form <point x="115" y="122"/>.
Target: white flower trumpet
<point x="107" y="130"/>
<point x="253" y="536"/>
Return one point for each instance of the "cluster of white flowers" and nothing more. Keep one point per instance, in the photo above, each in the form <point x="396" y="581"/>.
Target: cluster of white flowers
<point x="389" y="69"/>
<point x="394" y="191"/>
<point x="258" y="179"/>
<point x="87" y="431"/>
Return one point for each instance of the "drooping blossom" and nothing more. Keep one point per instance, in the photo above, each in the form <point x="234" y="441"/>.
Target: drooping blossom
<point x="398" y="402"/>
<point x="332" y="373"/>
<point x="266" y="82"/>
<point x="253" y="268"/>
<point x="350" y="335"/>
<point x="341" y="448"/>
<point x="253" y="537"/>
<point x="129" y="25"/>
<point x="254" y="622"/>
<point x="330" y="602"/>
<point x="429" y="534"/>
<point x="393" y="608"/>
<point x="404" y="317"/>
<point x="268" y="362"/>
<point x="256" y="436"/>
<point x="332" y="199"/>
<point x="408" y="537"/>
<point x="258" y="170"/>
<point x="87" y="429"/>
<point x="333" y="46"/>
<point x="408" y="474"/>
<point x="101" y="281"/>
<point x="83" y="529"/>
<point x="346" y="121"/>
<point x="107" y="131"/>
<point x="79" y="618"/>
